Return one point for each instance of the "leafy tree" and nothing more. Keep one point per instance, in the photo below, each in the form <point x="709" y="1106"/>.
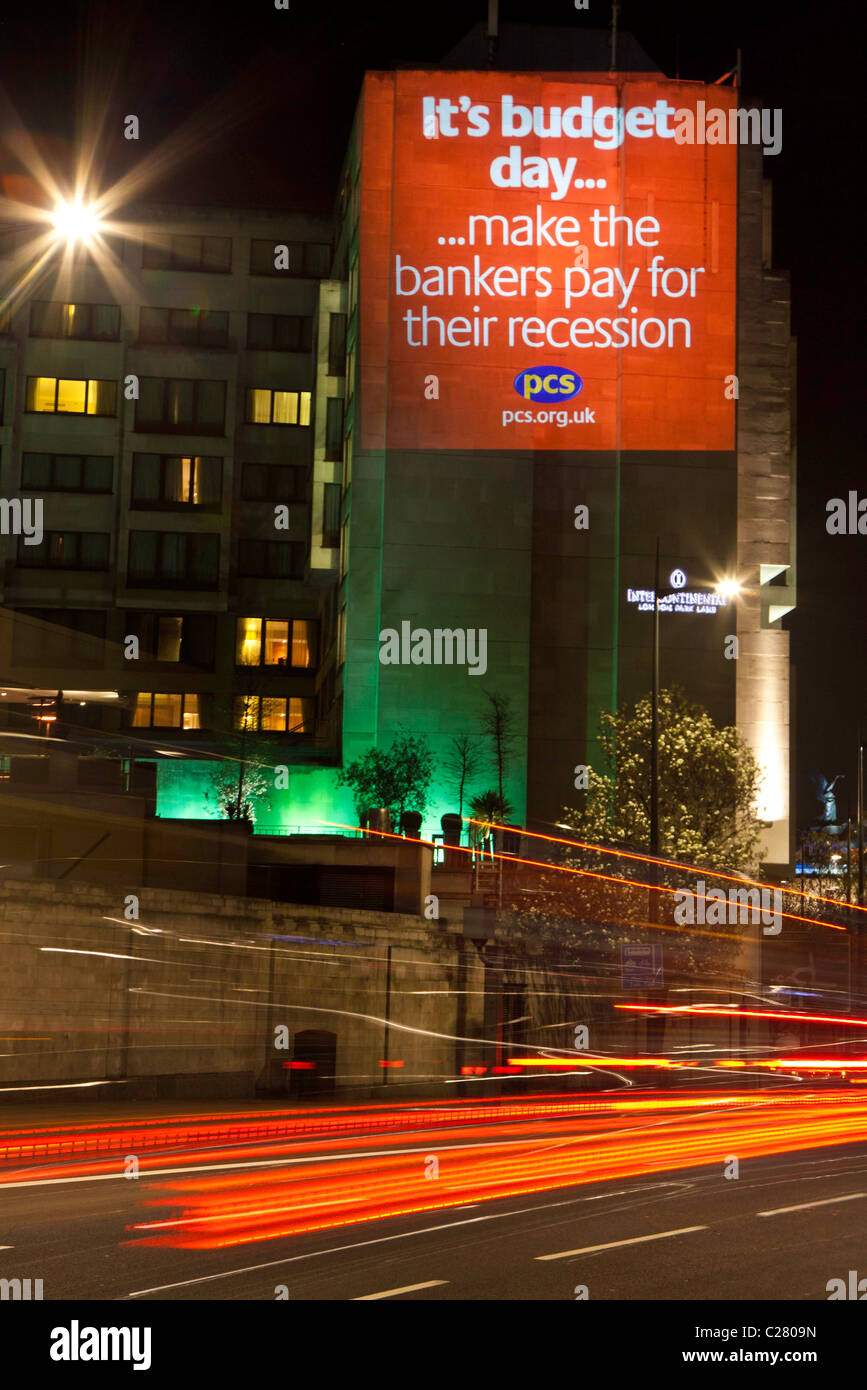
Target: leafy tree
<point x="238" y="793"/>
<point x="709" y="781"/>
<point x="461" y="766"/>
<point x="397" y="778"/>
<point x="489" y="809"/>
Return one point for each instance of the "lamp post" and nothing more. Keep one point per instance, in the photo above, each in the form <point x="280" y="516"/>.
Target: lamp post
<point x="729" y="588"/>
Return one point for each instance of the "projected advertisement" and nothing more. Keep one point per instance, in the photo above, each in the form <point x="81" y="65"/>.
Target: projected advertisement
<point x="546" y="263"/>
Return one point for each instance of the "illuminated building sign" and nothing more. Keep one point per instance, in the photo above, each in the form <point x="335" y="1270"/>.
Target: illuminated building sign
<point x="548" y="230"/>
<point x="701" y="601"/>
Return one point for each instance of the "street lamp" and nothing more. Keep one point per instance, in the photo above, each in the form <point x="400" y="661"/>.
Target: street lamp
<point x="728" y="589"/>
<point x="75" y="221"/>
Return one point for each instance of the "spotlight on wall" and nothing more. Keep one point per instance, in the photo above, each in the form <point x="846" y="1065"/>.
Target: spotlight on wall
<point x="728" y="588"/>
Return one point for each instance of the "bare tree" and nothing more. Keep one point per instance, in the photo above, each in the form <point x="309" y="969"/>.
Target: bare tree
<point x="498" y="723"/>
<point x="461" y="766"/>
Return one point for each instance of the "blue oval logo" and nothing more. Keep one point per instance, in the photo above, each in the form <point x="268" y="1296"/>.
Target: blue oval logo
<point x="547" y="384"/>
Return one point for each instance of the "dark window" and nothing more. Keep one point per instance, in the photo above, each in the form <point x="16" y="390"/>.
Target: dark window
<point x="164" y="559"/>
<point x="270" y="559"/>
<point x="280" y="332"/>
<point x="184" y="327"/>
<point x="169" y="480"/>
<point x="67" y="550"/>
<point x="308" y="258"/>
<point x="331" y="514"/>
<point x="56" y="319"/>
<point x="171" y="405"/>
<point x="73" y="638"/>
<point x="334" y="428"/>
<point x="209" y="253"/>
<point x="337" y="345"/>
<point x="272" y="482"/>
<point x="66" y="473"/>
<point x="187" y="639"/>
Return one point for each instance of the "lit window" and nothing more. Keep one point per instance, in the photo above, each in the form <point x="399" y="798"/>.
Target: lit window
<point x="191" y="712"/>
<point x="142" y="715"/>
<point x="274" y="715"/>
<point x="278" y="407"/>
<point x="277" y="643"/>
<point x="60" y="395"/>
<point x="248" y="642"/>
<point x="246" y="712"/>
<point x="300" y="716"/>
<point x="302" y="644"/>
<point x="167" y="711"/>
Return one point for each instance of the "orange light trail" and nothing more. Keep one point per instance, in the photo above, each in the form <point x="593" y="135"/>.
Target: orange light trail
<point x="735" y="1012"/>
<point x="228" y="1209"/>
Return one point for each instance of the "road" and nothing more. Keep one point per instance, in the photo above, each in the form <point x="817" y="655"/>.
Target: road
<point x="787" y="1224"/>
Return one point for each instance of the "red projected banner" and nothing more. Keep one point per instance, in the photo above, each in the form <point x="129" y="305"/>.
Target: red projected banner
<point x="547" y="262"/>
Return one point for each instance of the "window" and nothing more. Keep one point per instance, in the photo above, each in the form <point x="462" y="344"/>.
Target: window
<point x="209" y="253"/>
<point x="74" y="637"/>
<point x="310" y="258"/>
<point x="273" y="714"/>
<point x="64" y="396"/>
<point x="67" y="550"/>
<point x="169" y="480"/>
<point x="280" y="332"/>
<point x="334" y="428"/>
<point x="184" y="327"/>
<point x="2" y="392"/>
<point x="331" y="514"/>
<point x="270" y="559"/>
<point x="170" y="405"/>
<point x="155" y="711"/>
<point x="272" y="482"/>
<point x="336" y="344"/>
<point x="66" y="473"/>
<point x="55" y="319"/>
<point x="276" y="642"/>
<point x="188" y="639"/>
<point x="5" y="317"/>
<point x="167" y="558"/>
<point x="278" y="407"/>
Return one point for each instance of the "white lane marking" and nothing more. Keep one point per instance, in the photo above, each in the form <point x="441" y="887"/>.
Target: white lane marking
<point x="392" y="1293"/>
<point x="805" y="1206"/>
<point x="358" y="1245"/>
<point x="613" y="1244"/>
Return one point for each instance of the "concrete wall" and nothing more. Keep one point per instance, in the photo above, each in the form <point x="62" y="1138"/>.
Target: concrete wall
<point x="194" y="990"/>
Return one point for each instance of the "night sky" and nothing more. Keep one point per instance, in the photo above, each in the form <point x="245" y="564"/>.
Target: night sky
<point x="268" y="98"/>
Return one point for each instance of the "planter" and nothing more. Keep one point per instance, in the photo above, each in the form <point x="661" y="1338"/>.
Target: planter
<point x="410" y="824"/>
<point x="452" y="825"/>
<point x="377" y="818"/>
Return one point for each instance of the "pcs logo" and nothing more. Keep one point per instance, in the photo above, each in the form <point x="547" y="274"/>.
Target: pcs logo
<point x="547" y="384"/>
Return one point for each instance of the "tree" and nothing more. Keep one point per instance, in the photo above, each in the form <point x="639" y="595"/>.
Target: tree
<point x="461" y="766"/>
<point x="593" y="902"/>
<point x="237" y="794"/>
<point x="709" y="782"/>
<point x="396" y="778"/>
<point x="237" y="789"/>
<point x="489" y="809"/>
<point x="498" y="722"/>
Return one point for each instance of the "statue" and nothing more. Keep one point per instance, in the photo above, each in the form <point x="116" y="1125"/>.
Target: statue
<point x="825" y="794"/>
